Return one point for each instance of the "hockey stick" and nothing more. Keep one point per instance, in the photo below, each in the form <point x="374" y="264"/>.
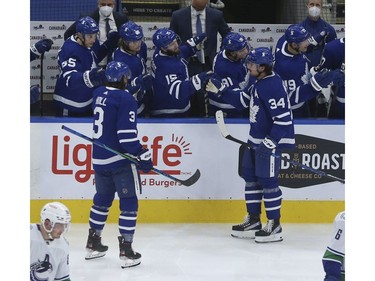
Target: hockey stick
<point x="41" y="84"/>
<point x="188" y="182"/>
<point x="225" y="133"/>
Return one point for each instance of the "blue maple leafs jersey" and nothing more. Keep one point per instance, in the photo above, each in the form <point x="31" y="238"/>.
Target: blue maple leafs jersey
<point x="71" y="91"/>
<point x="171" y="84"/>
<point x="115" y="125"/>
<point x="233" y="74"/>
<point x="314" y="53"/>
<point x="333" y="57"/>
<point x="137" y="65"/>
<point x="295" y="72"/>
<point x="269" y="107"/>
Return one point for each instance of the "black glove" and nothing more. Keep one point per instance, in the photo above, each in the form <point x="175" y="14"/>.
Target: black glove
<point x="266" y="148"/>
<point x="41" y="46"/>
<point x="321" y="79"/>
<point x="94" y="77"/>
<point x="214" y="86"/>
<point x="199" y="80"/>
<point x="145" y="162"/>
<point x="112" y="42"/>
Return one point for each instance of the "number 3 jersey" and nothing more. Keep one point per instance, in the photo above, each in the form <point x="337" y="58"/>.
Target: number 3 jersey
<point x="115" y="125"/>
<point x="49" y="259"/>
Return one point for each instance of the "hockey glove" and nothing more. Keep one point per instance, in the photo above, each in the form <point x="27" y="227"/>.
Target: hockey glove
<point x="199" y="80"/>
<point x="145" y="162"/>
<point x="112" y="42"/>
<point x="139" y="86"/>
<point x="41" y="46"/>
<point x="34" y="94"/>
<point x="215" y="87"/>
<point x="321" y="79"/>
<point x="94" y="77"/>
<point x="266" y="148"/>
<point x="317" y="39"/>
<point x="196" y="42"/>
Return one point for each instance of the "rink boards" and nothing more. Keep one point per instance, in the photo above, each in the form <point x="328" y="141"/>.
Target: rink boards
<point x="60" y="169"/>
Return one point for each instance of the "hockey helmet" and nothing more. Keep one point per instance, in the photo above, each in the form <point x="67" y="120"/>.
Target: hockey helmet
<point x="130" y="31"/>
<point x="87" y="25"/>
<point x="234" y="42"/>
<point x="55" y="212"/>
<point x="296" y="33"/>
<point x="261" y="55"/>
<point x="115" y="70"/>
<point x="163" y="37"/>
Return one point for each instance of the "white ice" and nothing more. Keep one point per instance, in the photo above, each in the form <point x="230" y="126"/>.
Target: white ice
<point x="203" y="252"/>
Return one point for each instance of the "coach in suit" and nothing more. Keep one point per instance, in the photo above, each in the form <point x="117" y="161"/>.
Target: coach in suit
<point x="184" y="22"/>
<point x="107" y="19"/>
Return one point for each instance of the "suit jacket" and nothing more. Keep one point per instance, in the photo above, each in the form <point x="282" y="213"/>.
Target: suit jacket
<point x="215" y="23"/>
<point x="119" y="18"/>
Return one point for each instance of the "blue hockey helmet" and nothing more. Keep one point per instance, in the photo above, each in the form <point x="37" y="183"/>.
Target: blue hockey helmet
<point x="296" y="33"/>
<point x="87" y="25"/>
<point x="115" y="70"/>
<point x="163" y="37"/>
<point x="130" y="31"/>
<point x="261" y="55"/>
<point x="234" y="42"/>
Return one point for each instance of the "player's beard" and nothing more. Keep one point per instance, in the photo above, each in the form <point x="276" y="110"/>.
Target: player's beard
<point x="172" y="52"/>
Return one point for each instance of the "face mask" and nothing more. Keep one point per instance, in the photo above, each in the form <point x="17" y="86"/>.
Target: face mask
<point x="314" y="11"/>
<point x="105" y="11"/>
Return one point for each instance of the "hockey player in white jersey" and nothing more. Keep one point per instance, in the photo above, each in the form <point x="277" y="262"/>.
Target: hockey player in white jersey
<point x="49" y="250"/>
<point x="334" y="256"/>
<point x="115" y="125"/>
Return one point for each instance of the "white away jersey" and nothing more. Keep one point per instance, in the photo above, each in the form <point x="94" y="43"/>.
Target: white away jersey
<point x="49" y="260"/>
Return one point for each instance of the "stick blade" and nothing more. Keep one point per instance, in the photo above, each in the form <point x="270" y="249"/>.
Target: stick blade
<point x="220" y="122"/>
<point x="193" y="179"/>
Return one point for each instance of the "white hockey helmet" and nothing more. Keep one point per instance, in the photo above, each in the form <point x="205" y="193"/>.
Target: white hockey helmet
<point x="55" y="212"/>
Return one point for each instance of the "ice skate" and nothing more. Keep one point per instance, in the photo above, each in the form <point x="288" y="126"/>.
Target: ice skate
<point x="94" y="246"/>
<point x="272" y="232"/>
<point x="128" y="257"/>
<point x="248" y="228"/>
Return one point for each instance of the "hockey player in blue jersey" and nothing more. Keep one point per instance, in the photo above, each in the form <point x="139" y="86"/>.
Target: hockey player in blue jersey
<point x="115" y="125"/>
<point x="333" y="58"/>
<point x="229" y="66"/>
<point x="171" y="83"/>
<point x="79" y="75"/>
<point x="130" y="53"/>
<point x="293" y="66"/>
<point x="271" y="131"/>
